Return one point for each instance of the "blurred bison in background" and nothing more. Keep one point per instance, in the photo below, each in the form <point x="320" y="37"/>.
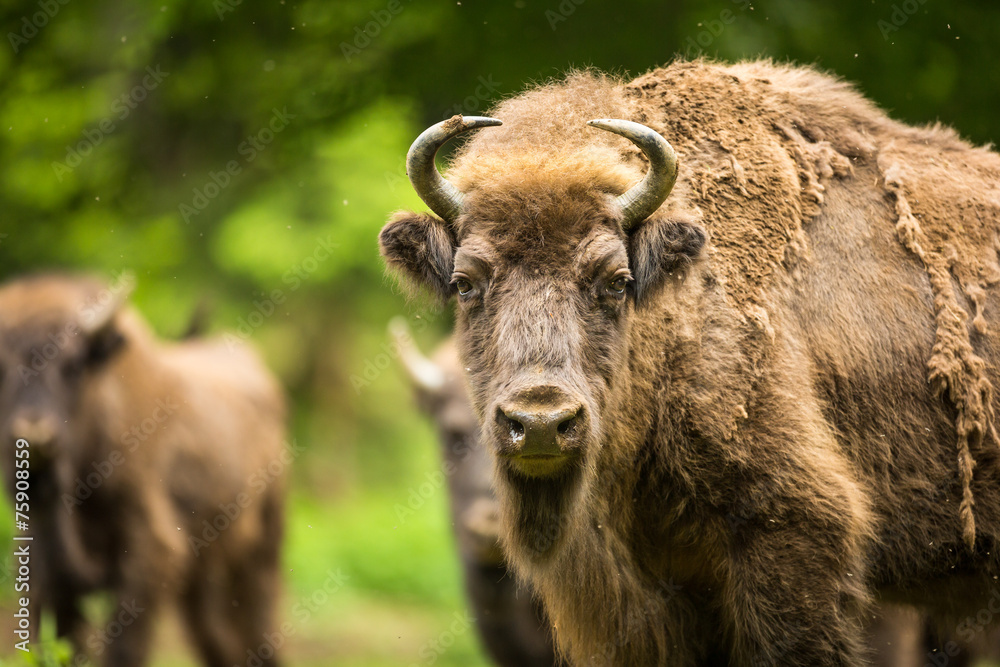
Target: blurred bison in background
<point x="720" y="425"/>
<point x="511" y="624"/>
<point x="152" y="471"/>
<point x="902" y="636"/>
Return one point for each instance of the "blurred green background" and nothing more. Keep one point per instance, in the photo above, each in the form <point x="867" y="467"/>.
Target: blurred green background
<point x="221" y="150"/>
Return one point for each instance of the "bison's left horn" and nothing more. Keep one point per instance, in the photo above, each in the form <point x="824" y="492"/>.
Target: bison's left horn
<point x="642" y="200"/>
<point x="441" y="196"/>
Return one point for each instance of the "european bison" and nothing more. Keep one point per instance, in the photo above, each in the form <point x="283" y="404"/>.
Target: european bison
<point x="155" y="471"/>
<point x="722" y="424"/>
<point x="511" y="625"/>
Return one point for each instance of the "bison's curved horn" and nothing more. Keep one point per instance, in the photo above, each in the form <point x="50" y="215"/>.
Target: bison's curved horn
<point x="424" y="373"/>
<point x="642" y="200"/>
<point x="441" y="196"/>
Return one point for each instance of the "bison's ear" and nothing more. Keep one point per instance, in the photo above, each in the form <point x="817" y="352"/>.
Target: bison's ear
<point x="422" y="247"/>
<point x="104" y="342"/>
<point x="660" y="248"/>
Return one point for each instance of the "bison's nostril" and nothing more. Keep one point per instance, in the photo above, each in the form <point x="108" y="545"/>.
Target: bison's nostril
<point x="566" y="427"/>
<point x="511" y="424"/>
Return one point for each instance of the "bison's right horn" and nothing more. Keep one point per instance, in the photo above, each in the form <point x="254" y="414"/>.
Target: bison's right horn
<point x="441" y="196"/>
<point x="424" y="373"/>
<point x="642" y="199"/>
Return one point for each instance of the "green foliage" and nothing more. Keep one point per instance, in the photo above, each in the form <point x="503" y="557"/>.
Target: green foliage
<point x="234" y="154"/>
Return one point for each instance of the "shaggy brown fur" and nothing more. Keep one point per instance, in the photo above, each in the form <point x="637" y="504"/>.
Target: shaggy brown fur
<point x="136" y="448"/>
<point x="511" y="625"/>
<point x="766" y="420"/>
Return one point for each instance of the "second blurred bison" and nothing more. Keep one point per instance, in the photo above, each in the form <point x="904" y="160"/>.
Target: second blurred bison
<point x="511" y="624"/>
<point x="156" y="472"/>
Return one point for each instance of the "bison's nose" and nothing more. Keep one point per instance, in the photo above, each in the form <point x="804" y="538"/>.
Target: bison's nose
<point x="38" y="432"/>
<point x="540" y="438"/>
<point x="539" y="428"/>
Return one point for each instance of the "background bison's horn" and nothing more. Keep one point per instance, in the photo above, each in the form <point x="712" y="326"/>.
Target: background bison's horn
<point x="441" y="196"/>
<point x="423" y="372"/>
<point x="101" y="315"/>
<point x="642" y="200"/>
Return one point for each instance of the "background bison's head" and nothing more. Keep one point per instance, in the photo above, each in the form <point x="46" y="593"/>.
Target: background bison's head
<point x="55" y="333"/>
<point x="548" y="261"/>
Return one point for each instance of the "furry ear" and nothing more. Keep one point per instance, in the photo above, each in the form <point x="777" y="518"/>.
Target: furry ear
<point x="422" y="247"/>
<point x="104" y="343"/>
<point x="659" y="248"/>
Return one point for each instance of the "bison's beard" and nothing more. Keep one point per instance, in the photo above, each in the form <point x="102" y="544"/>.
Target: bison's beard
<point x="540" y="514"/>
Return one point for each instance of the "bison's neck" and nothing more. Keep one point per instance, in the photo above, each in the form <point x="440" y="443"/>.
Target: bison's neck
<point x="606" y="608"/>
<point x="120" y="407"/>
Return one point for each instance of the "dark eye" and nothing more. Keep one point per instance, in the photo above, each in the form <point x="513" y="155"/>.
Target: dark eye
<point x="463" y="286"/>
<point x="618" y="285"/>
<point x="73" y="368"/>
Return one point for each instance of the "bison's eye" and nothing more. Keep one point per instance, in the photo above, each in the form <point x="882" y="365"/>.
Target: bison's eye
<point x="463" y="285"/>
<point x="618" y="284"/>
<point x="73" y="368"/>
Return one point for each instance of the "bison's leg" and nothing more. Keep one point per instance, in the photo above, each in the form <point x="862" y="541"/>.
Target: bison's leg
<point x="70" y="622"/>
<point x="795" y="597"/>
<point x="205" y="605"/>
<point x="895" y="636"/>
<point x="134" y="615"/>
<point x="153" y="554"/>
<point x="255" y="585"/>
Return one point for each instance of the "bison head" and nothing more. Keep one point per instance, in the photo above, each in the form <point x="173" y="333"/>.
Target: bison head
<point x="549" y="260"/>
<point x="55" y="333"/>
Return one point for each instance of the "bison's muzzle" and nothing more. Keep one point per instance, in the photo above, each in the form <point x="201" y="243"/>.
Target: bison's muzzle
<point x="540" y="430"/>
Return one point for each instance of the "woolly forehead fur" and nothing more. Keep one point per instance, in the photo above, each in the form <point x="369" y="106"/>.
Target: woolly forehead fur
<point x="545" y="151"/>
<point x="47" y="300"/>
